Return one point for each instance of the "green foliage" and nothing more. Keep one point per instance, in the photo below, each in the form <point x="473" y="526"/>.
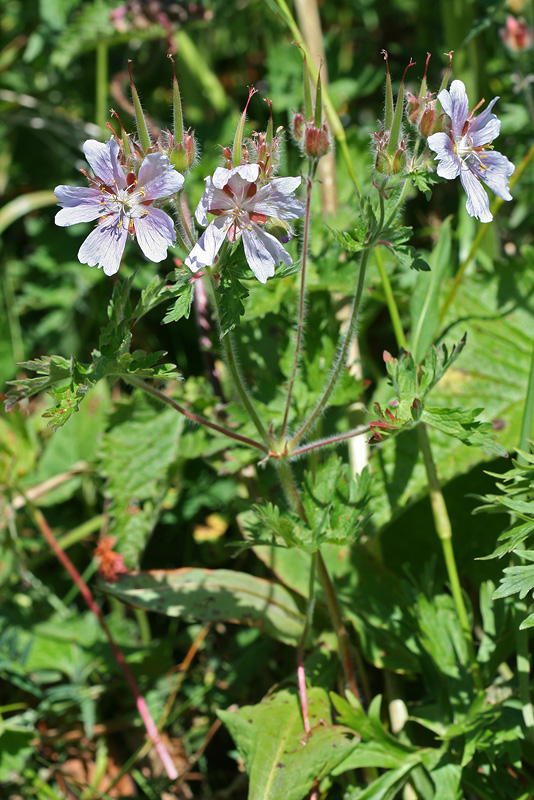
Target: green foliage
<point x="281" y="760"/>
<point x="214" y="596"/>
<point x="335" y="509"/>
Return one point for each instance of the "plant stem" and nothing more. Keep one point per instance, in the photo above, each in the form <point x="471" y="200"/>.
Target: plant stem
<point x="333" y="117"/>
<point x="194" y="417"/>
<point x="497" y="203"/>
<point x="239" y="385"/>
<point x="300" y="323"/>
<point x="142" y="707"/>
<point x="101" y="98"/>
<point x="301" y="675"/>
<point x="295" y="501"/>
<point x="390" y="301"/>
<point x="342" y="354"/>
<point x="440" y="514"/>
<point x="444" y="531"/>
<point x="331" y="440"/>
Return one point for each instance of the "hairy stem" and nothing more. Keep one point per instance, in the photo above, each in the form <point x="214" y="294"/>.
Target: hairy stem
<point x="341" y="356"/>
<point x="193" y="417"/>
<point x="295" y="501"/>
<point x="142" y="707"/>
<point x="331" y="440"/>
<point x="300" y="323"/>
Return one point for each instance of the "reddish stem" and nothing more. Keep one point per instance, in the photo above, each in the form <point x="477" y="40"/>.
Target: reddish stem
<point x="140" y="702"/>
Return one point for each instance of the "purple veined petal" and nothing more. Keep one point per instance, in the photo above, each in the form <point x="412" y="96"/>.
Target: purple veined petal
<point x="263" y="252"/>
<point x="155" y="232"/>
<point x="286" y="185"/>
<point x="449" y="167"/>
<point x="104" y="246"/>
<point x="477" y="200"/>
<point x="482" y="119"/>
<point x="158" y="178"/>
<point x="80" y="204"/>
<point x="495" y="171"/>
<point x="441" y="144"/>
<point x="456" y="106"/>
<point x="275" y="204"/>
<point x="212" y="198"/>
<point x="487" y="134"/>
<point x="205" y="251"/>
<point x="102" y="157"/>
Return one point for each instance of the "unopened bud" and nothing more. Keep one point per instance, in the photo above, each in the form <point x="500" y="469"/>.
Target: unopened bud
<point x="430" y="121"/>
<point x="298" y="128"/>
<point x="399" y="161"/>
<point x="279" y="229"/>
<point x="413" y="108"/>
<point x="316" y="141"/>
<point x="383" y="163"/>
<point x="182" y="155"/>
<point x="517" y="36"/>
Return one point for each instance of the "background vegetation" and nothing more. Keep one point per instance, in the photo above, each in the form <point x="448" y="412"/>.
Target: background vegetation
<point x="173" y="496"/>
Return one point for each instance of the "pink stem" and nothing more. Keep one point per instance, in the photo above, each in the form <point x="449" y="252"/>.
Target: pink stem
<point x="140" y="702"/>
<point x="303" y="694"/>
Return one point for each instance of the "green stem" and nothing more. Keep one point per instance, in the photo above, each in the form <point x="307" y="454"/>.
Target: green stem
<point x="241" y="390"/>
<point x="101" y="98"/>
<point x="398" y="204"/>
<point x="444" y="531"/>
<point x="292" y="493"/>
<point x="178" y="206"/>
<point x="390" y="301"/>
<point x="300" y="323"/>
<point x="341" y="357"/>
<point x="333" y="117"/>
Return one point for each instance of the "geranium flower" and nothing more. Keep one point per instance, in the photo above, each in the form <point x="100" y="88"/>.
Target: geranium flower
<point x="466" y="150"/>
<point x="242" y="207"/>
<point x="122" y="203"/>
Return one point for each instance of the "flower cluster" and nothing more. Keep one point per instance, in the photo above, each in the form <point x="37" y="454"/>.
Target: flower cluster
<point x="464" y="149"/>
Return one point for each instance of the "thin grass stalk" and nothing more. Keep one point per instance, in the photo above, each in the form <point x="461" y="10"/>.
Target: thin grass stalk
<point x="140" y="701"/>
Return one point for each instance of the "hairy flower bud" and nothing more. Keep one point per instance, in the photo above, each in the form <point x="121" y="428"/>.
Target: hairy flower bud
<point x="298" y="129"/>
<point x="316" y="141"/>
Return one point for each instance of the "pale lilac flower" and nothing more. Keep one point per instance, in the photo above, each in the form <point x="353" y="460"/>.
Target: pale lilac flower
<point x="242" y="206"/>
<point x="466" y="151"/>
<point x="122" y="203"/>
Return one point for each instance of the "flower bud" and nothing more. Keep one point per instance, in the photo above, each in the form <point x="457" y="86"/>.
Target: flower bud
<point x="279" y="229"/>
<point x="316" y="141"/>
<point x="298" y="129"/>
<point x="430" y="121"/>
<point x="413" y="108"/>
<point x="517" y="36"/>
<point x="182" y="155"/>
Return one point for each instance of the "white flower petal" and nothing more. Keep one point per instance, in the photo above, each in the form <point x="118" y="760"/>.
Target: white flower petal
<point x="477" y="200"/>
<point x="482" y="119"/>
<point x="205" y="251"/>
<point x="496" y="172"/>
<point x="487" y="134"/>
<point x="441" y="144"/>
<point x="448" y="167"/>
<point x="155" y="233"/>
<point x="80" y="204"/>
<point x="102" y="157"/>
<point x="104" y="246"/>
<point x="273" y="203"/>
<point x="247" y="172"/>
<point x="158" y="178"/>
<point x="459" y="107"/>
<point x="213" y="199"/>
<point x="263" y="252"/>
<point x="286" y="185"/>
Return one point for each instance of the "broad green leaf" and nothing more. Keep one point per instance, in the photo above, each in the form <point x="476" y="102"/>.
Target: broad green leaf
<point x="424" y="304"/>
<point x="281" y="761"/>
<point x="138" y="456"/>
<point x="516" y="580"/>
<point x="211" y="595"/>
